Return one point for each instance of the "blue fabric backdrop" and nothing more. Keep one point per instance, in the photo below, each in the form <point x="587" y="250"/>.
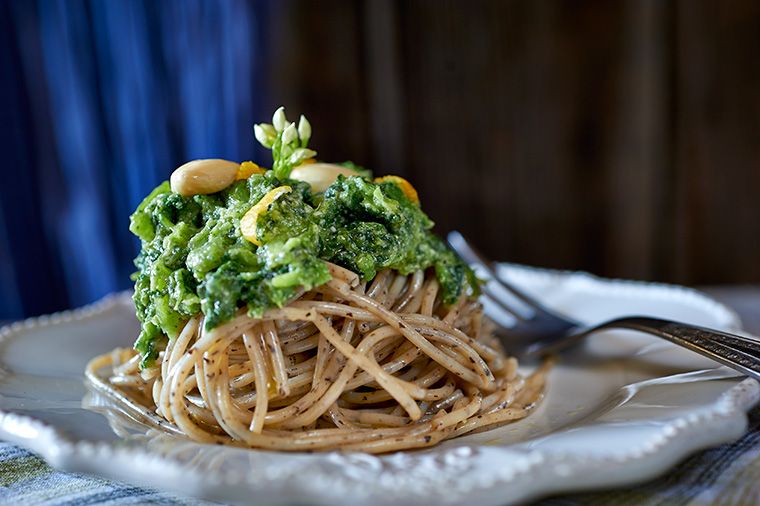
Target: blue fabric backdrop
<point x="101" y="100"/>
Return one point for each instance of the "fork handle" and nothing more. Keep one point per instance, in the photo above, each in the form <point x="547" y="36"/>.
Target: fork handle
<point x="739" y="353"/>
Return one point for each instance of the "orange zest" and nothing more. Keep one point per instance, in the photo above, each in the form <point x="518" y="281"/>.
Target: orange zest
<point x="247" y="169"/>
<point x="403" y="184"/>
<point x="248" y="221"/>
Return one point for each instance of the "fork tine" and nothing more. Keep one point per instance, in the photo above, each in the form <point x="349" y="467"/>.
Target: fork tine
<point x="499" y="301"/>
<point x="517" y="337"/>
<point x="472" y="256"/>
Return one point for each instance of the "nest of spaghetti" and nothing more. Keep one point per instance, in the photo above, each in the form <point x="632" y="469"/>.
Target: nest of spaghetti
<point x="372" y="367"/>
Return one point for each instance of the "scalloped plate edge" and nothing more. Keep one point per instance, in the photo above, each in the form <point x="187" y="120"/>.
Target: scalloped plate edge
<point x="724" y="421"/>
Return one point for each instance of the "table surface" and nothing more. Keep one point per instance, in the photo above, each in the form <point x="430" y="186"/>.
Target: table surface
<point x="727" y="475"/>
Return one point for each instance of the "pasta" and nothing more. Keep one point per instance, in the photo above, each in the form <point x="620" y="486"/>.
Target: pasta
<point x="306" y="307"/>
<point x="347" y="366"/>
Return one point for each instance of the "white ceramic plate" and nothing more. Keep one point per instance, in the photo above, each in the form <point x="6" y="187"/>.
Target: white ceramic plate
<point x="621" y="410"/>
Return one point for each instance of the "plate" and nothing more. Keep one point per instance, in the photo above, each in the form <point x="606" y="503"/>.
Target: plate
<point x="621" y="409"/>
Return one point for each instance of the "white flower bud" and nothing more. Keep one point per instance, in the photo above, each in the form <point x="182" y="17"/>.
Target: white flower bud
<point x="269" y="130"/>
<point x="290" y="134"/>
<point x="279" y="120"/>
<point x="304" y="129"/>
<point x="301" y="154"/>
<point x="265" y="134"/>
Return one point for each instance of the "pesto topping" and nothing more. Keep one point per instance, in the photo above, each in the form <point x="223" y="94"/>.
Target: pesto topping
<point x="194" y="257"/>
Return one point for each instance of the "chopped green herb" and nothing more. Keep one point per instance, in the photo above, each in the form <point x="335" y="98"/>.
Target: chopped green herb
<point x="195" y="259"/>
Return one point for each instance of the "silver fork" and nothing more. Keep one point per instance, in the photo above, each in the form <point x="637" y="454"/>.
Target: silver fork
<point x="539" y="331"/>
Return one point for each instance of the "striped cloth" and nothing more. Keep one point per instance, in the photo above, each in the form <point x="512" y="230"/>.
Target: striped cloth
<point x="25" y="479"/>
<point x="728" y="476"/>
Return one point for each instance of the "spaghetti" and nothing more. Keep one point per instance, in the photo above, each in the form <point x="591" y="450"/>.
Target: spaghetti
<point x="305" y="307"/>
<point x="372" y="367"/>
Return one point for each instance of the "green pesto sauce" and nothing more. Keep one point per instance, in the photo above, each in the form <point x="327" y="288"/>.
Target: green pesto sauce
<point x="194" y="257"/>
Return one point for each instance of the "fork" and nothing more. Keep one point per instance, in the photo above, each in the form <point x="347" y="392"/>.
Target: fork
<point x="539" y="331"/>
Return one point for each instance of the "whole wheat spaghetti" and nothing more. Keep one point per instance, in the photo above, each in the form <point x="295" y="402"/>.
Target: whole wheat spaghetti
<point x="371" y="368"/>
<point x="307" y="307"/>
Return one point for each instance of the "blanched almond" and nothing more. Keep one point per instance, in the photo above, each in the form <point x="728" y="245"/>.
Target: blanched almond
<point x="201" y="177"/>
<point x="320" y="175"/>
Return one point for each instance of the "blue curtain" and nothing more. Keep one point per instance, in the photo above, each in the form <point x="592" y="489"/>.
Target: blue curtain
<point x="101" y="100"/>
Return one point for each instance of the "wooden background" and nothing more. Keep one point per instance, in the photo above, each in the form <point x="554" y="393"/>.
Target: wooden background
<point x="617" y="137"/>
